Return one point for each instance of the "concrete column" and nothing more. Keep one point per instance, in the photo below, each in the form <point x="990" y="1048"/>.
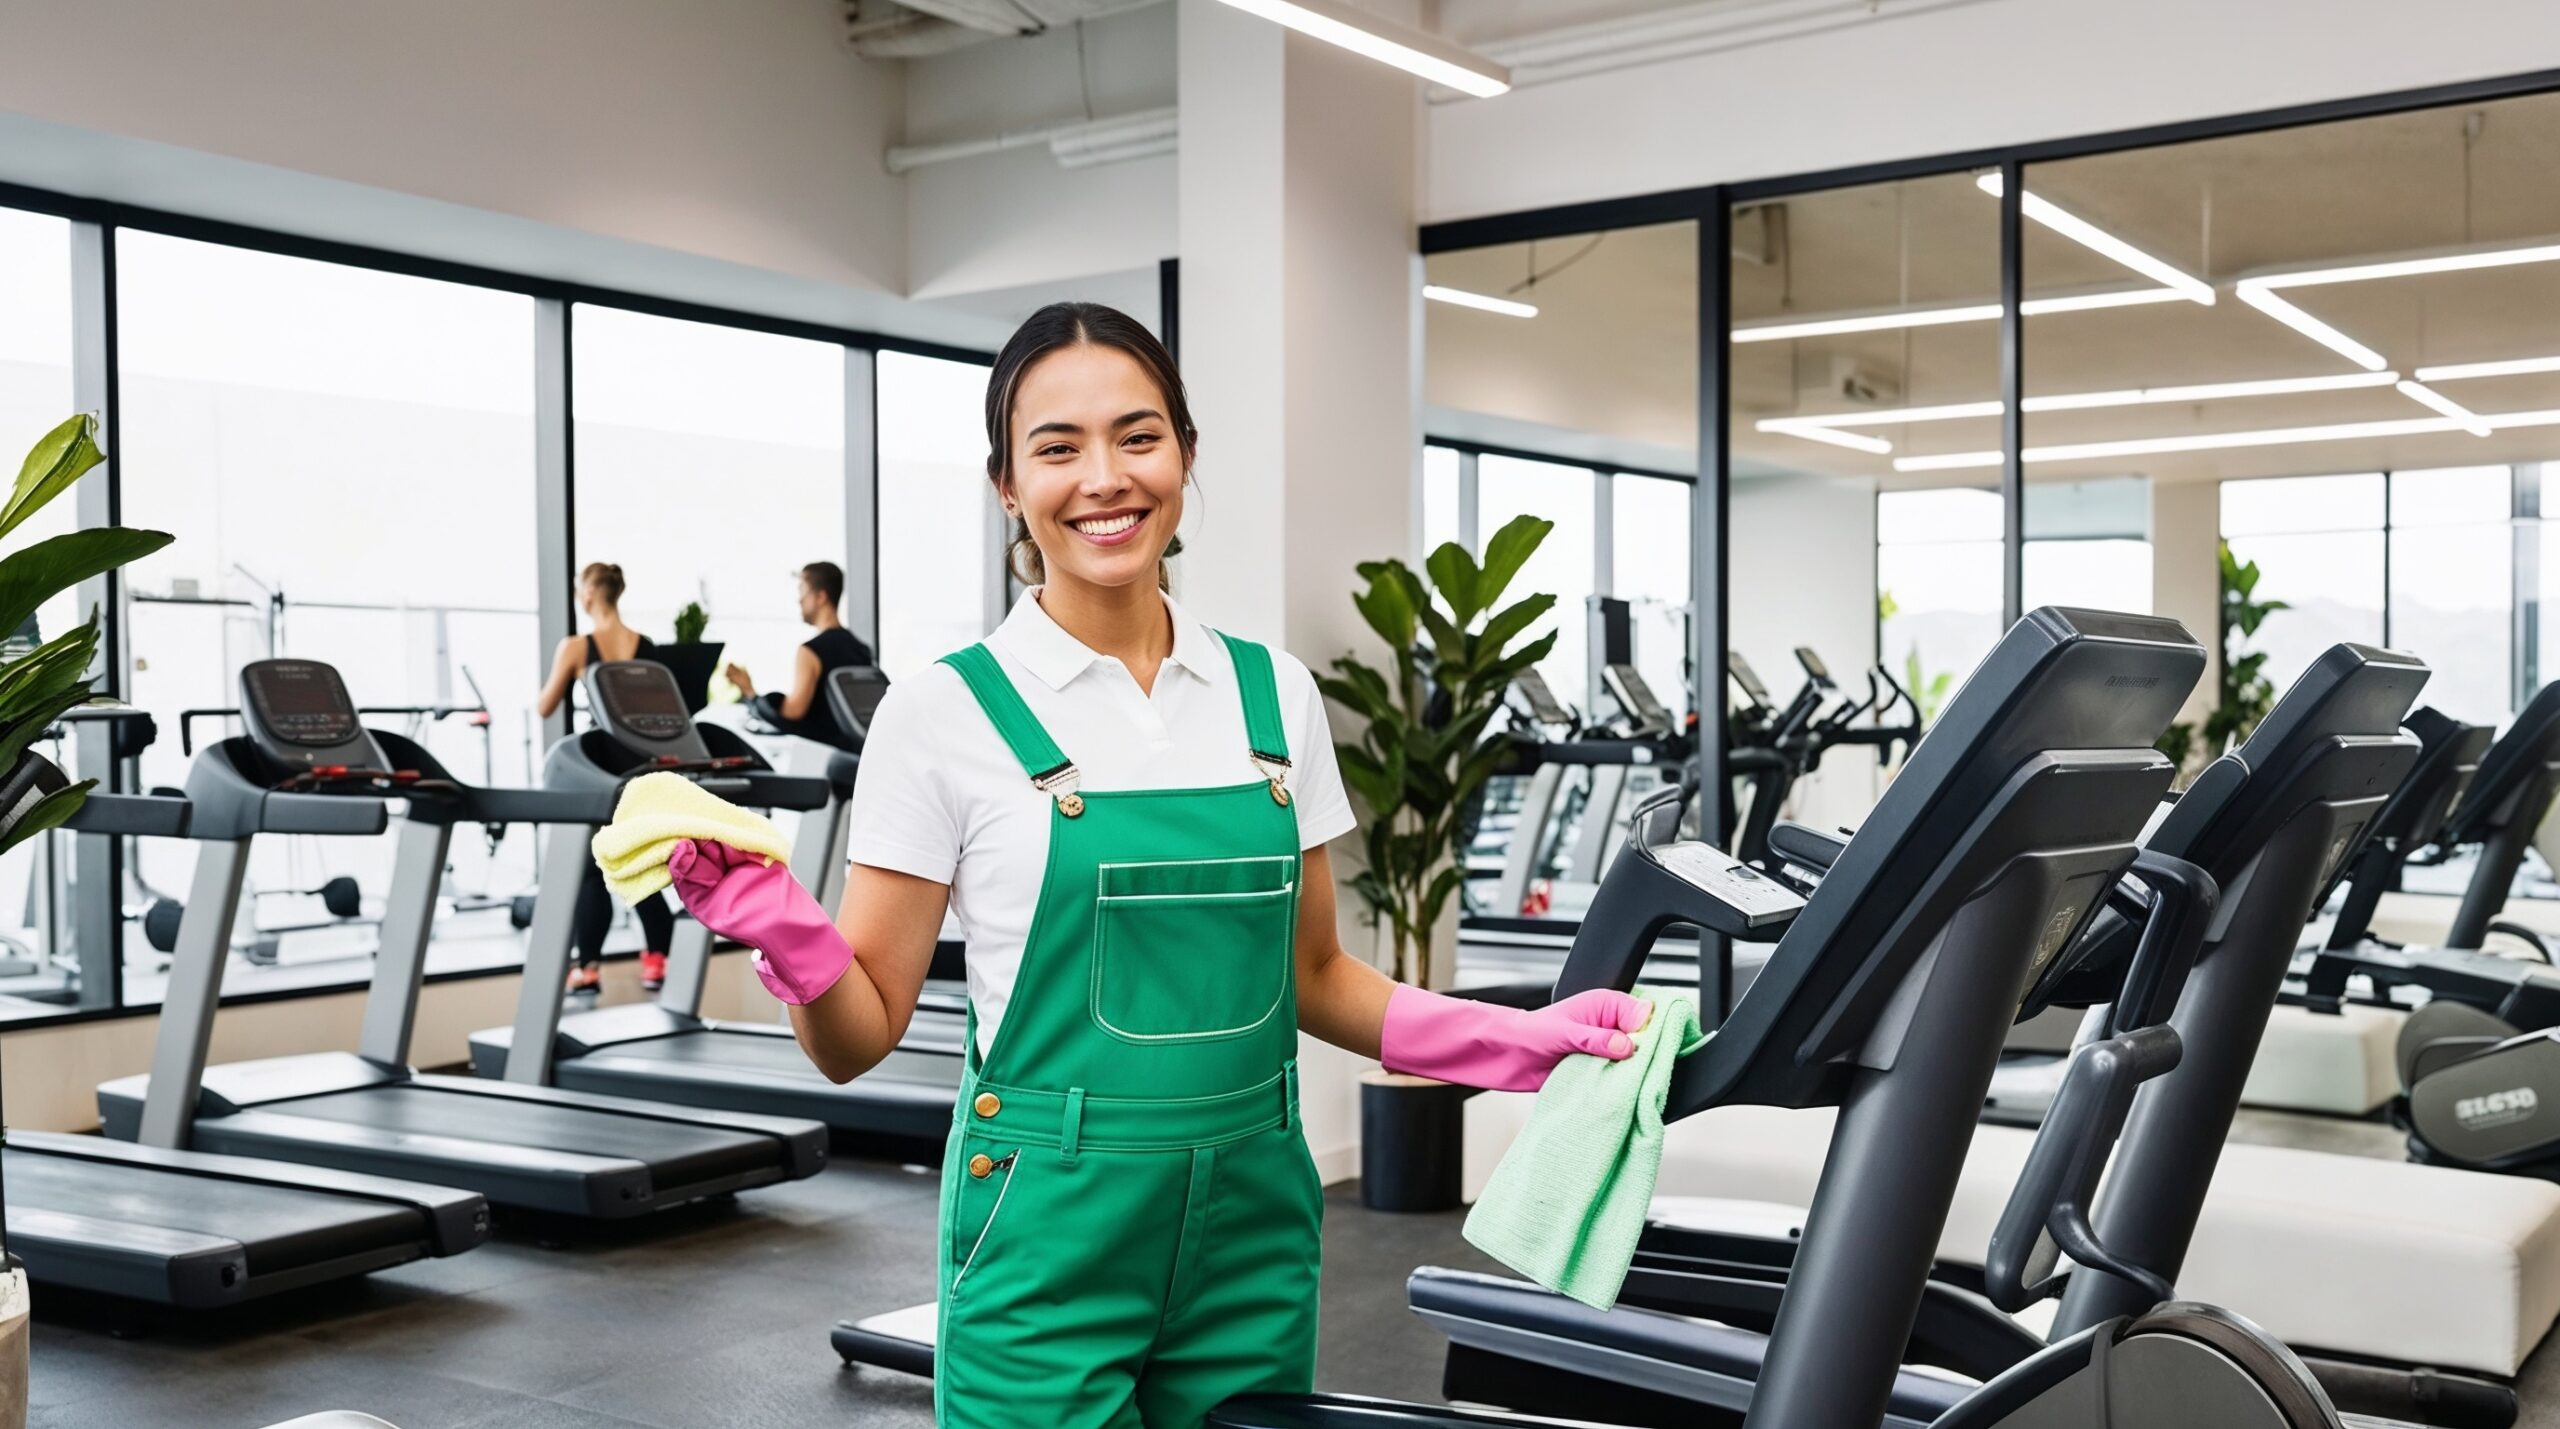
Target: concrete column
<point x="2186" y="574"/>
<point x="1298" y="298"/>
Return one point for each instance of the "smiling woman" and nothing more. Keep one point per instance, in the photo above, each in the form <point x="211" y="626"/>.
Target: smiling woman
<point x="1087" y="376"/>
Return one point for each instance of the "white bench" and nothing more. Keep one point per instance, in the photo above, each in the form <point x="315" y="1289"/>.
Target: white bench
<point x="2341" y="1064"/>
<point x="2357" y="1256"/>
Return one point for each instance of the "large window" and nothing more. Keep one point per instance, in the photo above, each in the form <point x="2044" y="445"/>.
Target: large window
<point x="2318" y="545"/>
<point x="2452" y="592"/>
<point x="1937" y="587"/>
<point x="346" y="458"/>
<point x="40" y="971"/>
<point x="710" y="467"/>
<point x="936" y="508"/>
<point x="1509" y="487"/>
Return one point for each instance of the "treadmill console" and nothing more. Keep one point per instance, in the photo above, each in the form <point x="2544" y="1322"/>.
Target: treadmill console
<point x="1541" y="699"/>
<point x="1757" y="900"/>
<point x="637" y="703"/>
<point x="299" y="713"/>
<point x="854" y="693"/>
<point x="1746" y="679"/>
<point x="1634" y="696"/>
<point x="1814" y="669"/>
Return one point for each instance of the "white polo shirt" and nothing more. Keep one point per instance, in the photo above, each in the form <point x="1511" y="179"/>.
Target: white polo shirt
<point x="942" y="797"/>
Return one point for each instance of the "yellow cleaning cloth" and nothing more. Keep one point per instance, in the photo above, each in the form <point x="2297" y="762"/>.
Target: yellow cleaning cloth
<point x="658" y="809"/>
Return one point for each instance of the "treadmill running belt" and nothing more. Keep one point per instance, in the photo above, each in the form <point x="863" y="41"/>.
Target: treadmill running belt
<point x="279" y="1227"/>
<point x="678" y="1151"/>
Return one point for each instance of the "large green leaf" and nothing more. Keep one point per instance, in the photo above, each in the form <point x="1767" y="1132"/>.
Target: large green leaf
<point x="1514" y="618"/>
<point x="44" y="570"/>
<point x="1509" y="550"/>
<point x="1455" y="573"/>
<point x="59" y="458"/>
<point x="24" y="731"/>
<point x="48" y="670"/>
<point x="1389" y="612"/>
<point x="51" y="811"/>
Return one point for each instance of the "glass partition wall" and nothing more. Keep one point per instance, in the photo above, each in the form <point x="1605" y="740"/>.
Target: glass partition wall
<point x="1561" y="381"/>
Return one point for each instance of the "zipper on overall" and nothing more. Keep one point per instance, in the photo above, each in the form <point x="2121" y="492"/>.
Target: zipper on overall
<point x="1005" y="1164"/>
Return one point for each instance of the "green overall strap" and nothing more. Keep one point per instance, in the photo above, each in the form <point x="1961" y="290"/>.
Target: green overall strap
<point x="1263" y="727"/>
<point x="1041" y="758"/>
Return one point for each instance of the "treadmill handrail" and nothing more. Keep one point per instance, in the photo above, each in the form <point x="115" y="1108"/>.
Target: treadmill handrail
<point x="352" y="813"/>
<point x="154" y="816"/>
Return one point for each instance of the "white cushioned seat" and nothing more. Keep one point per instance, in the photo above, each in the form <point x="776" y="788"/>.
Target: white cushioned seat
<point x="2341" y="1064"/>
<point x="2414" y="1264"/>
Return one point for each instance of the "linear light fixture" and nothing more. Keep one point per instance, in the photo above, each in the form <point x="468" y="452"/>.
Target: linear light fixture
<point x="2428" y="397"/>
<point x="2512" y="367"/>
<point x="2083" y="401"/>
<point x="2217" y="441"/>
<point x="1960" y="313"/>
<point x="2255" y="293"/>
<point x="2097" y="240"/>
<point x="1410" y="50"/>
<point x="1460" y="297"/>
<point x="1834" y="437"/>
<point x="2414" y="267"/>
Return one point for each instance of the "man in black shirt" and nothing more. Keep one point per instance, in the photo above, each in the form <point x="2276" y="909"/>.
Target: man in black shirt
<point x="802" y="710"/>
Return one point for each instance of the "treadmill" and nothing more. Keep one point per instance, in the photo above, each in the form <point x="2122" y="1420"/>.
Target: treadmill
<point x="189" y="1230"/>
<point x="667" y="1051"/>
<point x="307" y="765"/>
<point x="2494" y="797"/>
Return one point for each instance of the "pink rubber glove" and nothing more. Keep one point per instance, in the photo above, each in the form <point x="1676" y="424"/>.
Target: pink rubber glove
<point x="1503" y="1049"/>
<point x="799" y="953"/>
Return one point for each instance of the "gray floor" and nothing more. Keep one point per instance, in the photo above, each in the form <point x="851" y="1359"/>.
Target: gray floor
<point x="718" y="1316"/>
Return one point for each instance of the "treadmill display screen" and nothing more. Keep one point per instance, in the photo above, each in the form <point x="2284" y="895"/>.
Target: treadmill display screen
<point x="858" y="693"/>
<point x="641" y="699"/>
<point x="1812" y="663"/>
<point x="1746" y="677"/>
<point x="1630" y="690"/>
<point x="300" y="702"/>
<point x="1543" y="705"/>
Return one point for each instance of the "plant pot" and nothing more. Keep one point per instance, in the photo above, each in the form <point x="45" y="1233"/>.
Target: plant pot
<point x="693" y="666"/>
<point x="1412" y="1142"/>
<point x="13" y="1346"/>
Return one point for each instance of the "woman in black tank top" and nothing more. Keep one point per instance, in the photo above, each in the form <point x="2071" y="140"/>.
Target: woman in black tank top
<point x="600" y="588"/>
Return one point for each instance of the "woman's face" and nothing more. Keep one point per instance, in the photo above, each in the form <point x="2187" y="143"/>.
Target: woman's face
<point x="1097" y="470"/>
<point x="587" y="597"/>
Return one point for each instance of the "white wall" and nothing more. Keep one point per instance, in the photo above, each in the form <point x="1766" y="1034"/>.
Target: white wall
<point x="1973" y="76"/>
<point x="742" y="135"/>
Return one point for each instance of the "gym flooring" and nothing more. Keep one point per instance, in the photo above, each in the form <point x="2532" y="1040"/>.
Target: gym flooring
<point x="718" y="1315"/>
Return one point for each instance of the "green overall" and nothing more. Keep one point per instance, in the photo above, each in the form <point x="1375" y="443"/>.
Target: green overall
<point x="1130" y="1219"/>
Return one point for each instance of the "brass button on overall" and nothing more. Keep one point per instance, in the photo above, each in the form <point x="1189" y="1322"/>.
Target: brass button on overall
<point x="981" y="1164"/>
<point x="987" y="1104"/>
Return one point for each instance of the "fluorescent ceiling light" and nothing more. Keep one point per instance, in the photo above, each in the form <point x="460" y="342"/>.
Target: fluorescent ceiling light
<point x="2428" y="397"/>
<point x="1462" y="298"/>
<point x="1834" y="437"/>
<point x="1362" y="33"/>
<point x="1939" y="317"/>
<point x="2412" y="267"/>
<point x="2216" y="441"/>
<point x="2254" y="292"/>
<point x="2512" y="367"/>
<point x="2097" y="240"/>
<point x="2082" y="401"/>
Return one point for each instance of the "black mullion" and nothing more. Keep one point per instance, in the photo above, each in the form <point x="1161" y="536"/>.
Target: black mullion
<point x="2013" y="423"/>
<point x="1710" y="536"/>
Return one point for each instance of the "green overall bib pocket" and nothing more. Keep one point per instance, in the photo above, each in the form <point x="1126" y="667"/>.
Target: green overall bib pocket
<point x="1158" y="927"/>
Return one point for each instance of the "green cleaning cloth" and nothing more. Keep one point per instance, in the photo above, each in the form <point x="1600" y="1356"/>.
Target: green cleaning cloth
<point x="1569" y="1199"/>
<point x="655" y="811"/>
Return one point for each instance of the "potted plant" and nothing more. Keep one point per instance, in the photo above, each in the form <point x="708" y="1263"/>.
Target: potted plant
<point x="1418" y="759"/>
<point x="38" y="687"/>
<point x="692" y="660"/>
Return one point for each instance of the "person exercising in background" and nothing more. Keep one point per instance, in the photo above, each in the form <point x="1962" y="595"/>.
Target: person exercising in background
<point x="600" y="588"/>
<point x="800" y="711"/>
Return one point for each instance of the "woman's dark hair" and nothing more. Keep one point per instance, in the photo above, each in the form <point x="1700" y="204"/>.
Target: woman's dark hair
<point x="606" y="578"/>
<point x="1068" y="325"/>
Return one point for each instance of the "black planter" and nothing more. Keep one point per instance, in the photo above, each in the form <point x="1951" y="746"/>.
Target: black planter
<point x="693" y="665"/>
<point x="1412" y="1145"/>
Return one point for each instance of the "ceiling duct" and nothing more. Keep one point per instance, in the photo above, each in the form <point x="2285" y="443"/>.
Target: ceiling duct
<point x="915" y="29"/>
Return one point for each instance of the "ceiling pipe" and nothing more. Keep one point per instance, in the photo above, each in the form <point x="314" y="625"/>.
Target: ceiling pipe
<point x="1077" y="143"/>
